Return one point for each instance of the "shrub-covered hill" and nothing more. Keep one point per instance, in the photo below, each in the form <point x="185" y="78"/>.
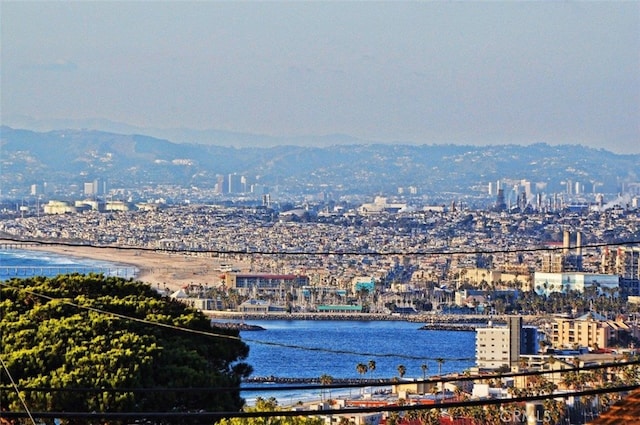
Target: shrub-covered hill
<point x="56" y="335"/>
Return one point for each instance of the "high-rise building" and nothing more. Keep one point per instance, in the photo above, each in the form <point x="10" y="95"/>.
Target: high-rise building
<point x="499" y="346"/>
<point x="221" y="186"/>
<point x="500" y="203"/>
<point x="36" y="189"/>
<point x="235" y="183"/>
<point x="94" y="188"/>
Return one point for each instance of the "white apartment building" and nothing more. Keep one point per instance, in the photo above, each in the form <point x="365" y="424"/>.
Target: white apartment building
<point x="499" y="346"/>
<point x="492" y="347"/>
<point x="546" y="283"/>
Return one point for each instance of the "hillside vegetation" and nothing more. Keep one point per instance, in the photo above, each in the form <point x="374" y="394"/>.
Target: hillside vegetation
<point x="57" y="336"/>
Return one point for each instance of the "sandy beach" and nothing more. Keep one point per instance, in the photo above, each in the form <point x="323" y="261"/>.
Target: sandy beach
<point x="161" y="269"/>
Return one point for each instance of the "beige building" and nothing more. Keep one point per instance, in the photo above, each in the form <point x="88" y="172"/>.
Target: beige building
<point x="590" y="330"/>
<point x="520" y="278"/>
<point x="499" y="346"/>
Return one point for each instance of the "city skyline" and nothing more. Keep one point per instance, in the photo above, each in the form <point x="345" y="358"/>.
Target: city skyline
<point x="433" y="72"/>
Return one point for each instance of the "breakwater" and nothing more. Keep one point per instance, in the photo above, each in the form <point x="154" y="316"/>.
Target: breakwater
<point x="237" y="326"/>
<point x="462" y="327"/>
<point x="233" y="315"/>
<point x="288" y="380"/>
<point x="430" y="321"/>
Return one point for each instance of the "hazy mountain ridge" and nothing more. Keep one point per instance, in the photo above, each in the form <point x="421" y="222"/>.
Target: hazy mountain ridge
<point x="74" y="156"/>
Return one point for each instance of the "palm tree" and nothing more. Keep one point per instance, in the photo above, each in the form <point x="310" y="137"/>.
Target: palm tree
<point x="440" y="362"/>
<point x="401" y="370"/>
<point x="325" y="380"/>
<point x="371" y="365"/>
<point x="362" y="369"/>
<point x="424" y="368"/>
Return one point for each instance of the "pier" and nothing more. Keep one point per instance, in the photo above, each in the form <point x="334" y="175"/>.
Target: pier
<point x="30" y="271"/>
<point x="5" y="245"/>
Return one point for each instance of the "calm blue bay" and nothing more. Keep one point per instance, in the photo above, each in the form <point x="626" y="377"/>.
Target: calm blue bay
<point x="310" y="349"/>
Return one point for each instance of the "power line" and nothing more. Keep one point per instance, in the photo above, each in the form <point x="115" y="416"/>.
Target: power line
<point x="214" y="416"/>
<point x="321" y="253"/>
<point x="15" y="387"/>
<point x="212" y="334"/>
<point x="379" y="383"/>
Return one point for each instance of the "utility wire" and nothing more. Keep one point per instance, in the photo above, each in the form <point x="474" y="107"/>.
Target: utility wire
<point x="212" y="334"/>
<point x="15" y="387"/>
<point x="215" y="416"/>
<point x="379" y="383"/>
<point x="322" y="253"/>
<point x="342" y="411"/>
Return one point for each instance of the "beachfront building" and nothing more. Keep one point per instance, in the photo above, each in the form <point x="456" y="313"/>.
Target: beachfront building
<point x="547" y="283"/>
<point x="339" y="308"/>
<point x="254" y="306"/>
<point x="196" y="302"/>
<point x="276" y="286"/>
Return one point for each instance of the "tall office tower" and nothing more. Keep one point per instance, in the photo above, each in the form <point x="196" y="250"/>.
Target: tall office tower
<point x="490" y="189"/>
<point x="526" y="187"/>
<point x="95" y="188"/>
<point x="221" y="186"/>
<point x="36" y="189"/>
<point x="523" y="201"/>
<point x="235" y="183"/>
<point x="244" y="184"/>
<point x="90" y="189"/>
<point x="500" y="204"/>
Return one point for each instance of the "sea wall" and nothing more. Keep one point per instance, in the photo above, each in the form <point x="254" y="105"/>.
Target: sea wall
<point x="431" y="321"/>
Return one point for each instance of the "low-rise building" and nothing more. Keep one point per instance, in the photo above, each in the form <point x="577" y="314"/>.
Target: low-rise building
<point x="275" y="284"/>
<point x="547" y="283"/>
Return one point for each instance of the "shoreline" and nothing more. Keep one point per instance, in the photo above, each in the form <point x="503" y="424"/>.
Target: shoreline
<point x="163" y="270"/>
<point x="174" y="271"/>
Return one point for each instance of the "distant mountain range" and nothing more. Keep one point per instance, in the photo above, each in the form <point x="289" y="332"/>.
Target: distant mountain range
<point x="185" y="135"/>
<point x="125" y="160"/>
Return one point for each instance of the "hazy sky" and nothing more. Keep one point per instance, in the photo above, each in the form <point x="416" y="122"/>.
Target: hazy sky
<point x="422" y="72"/>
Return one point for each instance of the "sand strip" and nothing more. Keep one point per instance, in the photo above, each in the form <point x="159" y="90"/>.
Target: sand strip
<point x="160" y="269"/>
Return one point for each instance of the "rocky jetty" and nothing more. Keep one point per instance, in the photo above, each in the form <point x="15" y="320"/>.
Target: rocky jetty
<point x="237" y="326"/>
<point x="289" y="380"/>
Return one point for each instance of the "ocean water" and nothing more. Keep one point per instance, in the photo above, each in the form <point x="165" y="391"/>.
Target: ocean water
<point x="298" y="348"/>
<point x="24" y="263"/>
<point x="310" y="349"/>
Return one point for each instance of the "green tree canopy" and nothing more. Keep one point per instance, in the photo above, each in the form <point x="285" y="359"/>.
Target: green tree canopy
<point x="55" y="334"/>
<point x="271" y="405"/>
